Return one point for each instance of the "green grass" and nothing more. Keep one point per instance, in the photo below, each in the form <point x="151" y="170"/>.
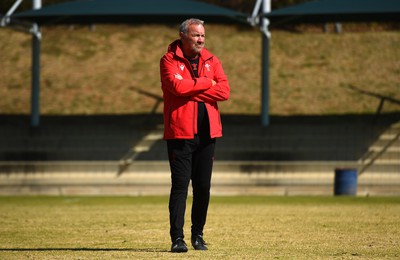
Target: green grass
<point x="97" y="72"/>
<point x="237" y="228"/>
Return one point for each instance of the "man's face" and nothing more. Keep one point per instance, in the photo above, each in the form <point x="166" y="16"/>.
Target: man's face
<point x="193" y="41"/>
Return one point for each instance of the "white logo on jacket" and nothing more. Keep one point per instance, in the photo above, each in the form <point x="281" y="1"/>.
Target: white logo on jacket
<point x="182" y="67"/>
<point x="208" y="66"/>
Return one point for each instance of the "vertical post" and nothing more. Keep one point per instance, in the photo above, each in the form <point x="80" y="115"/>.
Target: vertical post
<point x="338" y="27"/>
<point x="37" y="4"/>
<point x="35" y="95"/>
<point x="266" y="8"/>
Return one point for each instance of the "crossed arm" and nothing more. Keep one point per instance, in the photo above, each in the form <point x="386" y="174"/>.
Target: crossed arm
<point x="201" y="89"/>
<point x="217" y="92"/>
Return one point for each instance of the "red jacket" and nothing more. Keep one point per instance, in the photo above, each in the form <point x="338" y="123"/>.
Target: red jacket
<point x="182" y="90"/>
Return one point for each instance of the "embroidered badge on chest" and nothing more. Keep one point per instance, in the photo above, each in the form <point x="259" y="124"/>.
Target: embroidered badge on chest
<point x="208" y="66"/>
<point x="182" y="67"/>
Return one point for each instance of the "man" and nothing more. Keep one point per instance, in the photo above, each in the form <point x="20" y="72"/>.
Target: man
<point x="192" y="80"/>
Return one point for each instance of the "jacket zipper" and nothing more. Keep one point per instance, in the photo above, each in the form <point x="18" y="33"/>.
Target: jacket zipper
<point x="194" y="107"/>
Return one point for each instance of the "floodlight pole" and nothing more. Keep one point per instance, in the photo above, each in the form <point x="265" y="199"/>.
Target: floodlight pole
<point x="265" y="43"/>
<point x="35" y="94"/>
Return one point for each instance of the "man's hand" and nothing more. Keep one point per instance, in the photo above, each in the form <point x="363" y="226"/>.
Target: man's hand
<point x="178" y="76"/>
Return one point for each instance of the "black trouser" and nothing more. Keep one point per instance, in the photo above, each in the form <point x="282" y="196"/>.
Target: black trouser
<point x="190" y="160"/>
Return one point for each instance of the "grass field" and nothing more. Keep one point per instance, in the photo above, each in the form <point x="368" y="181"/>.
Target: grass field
<point x="106" y="70"/>
<point x="237" y="228"/>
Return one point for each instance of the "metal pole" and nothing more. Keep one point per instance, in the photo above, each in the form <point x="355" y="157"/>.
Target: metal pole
<point x="266" y="8"/>
<point x="37" y="4"/>
<point x="35" y="95"/>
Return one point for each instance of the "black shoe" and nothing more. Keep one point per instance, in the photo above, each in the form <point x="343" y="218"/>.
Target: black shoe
<point x="179" y="246"/>
<point x="198" y="243"/>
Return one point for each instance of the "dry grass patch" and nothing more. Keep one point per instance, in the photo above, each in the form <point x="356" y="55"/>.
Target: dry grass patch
<point x="238" y="228"/>
<point x="100" y="71"/>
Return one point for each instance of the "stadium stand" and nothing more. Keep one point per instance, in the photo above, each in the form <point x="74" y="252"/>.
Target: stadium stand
<point x="126" y="155"/>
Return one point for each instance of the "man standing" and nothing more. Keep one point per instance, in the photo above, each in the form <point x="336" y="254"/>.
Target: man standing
<point x="192" y="80"/>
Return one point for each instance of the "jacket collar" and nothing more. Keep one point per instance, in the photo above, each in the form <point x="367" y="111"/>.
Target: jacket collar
<point x="176" y="48"/>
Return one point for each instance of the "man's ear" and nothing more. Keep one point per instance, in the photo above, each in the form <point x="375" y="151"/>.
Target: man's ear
<point x="182" y="35"/>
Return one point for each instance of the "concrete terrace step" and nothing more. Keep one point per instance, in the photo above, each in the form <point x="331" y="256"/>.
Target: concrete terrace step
<point x="223" y="149"/>
<point x="164" y="178"/>
<point x="245" y="167"/>
<point x="145" y="182"/>
<point x="113" y="138"/>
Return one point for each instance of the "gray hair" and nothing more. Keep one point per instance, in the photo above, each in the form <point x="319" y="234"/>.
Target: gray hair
<point x="184" y="28"/>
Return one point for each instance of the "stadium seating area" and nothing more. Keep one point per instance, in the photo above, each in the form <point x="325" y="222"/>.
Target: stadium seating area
<point x="126" y="154"/>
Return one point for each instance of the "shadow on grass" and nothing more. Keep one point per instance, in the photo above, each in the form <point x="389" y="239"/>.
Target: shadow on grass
<point x="148" y="250"/>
